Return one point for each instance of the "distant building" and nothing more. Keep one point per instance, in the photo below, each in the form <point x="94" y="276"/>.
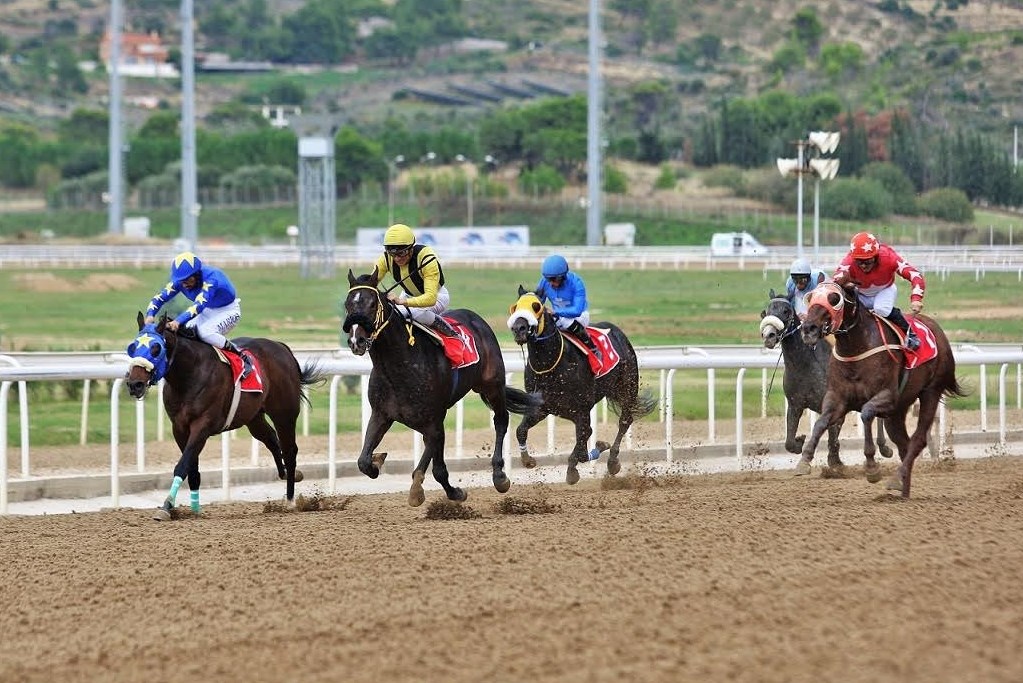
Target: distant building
<point x="143" y="55"/>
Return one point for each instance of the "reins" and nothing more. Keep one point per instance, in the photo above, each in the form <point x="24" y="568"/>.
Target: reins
<point x="379" y="321"/>
<point x="561" y="350"/>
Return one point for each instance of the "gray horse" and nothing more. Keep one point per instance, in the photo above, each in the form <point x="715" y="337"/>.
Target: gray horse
<point x="806" y="376"/>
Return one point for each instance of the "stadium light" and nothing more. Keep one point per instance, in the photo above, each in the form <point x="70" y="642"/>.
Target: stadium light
<point x="809" y="162"/>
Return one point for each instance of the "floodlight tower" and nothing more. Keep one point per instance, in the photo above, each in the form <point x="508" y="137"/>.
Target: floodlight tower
<point x="809" y="162"/>
<point x="317" y="198"/>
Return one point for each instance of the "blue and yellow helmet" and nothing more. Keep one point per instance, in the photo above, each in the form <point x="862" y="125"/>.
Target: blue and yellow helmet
<point x="185" y="265"/>
<point x="554" y="265"/>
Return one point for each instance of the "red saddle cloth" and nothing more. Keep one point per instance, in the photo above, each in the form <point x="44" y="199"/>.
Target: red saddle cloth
<point x="928" y="346"/>
<point x="602" y="338"/>
<point x="460" y="350"/>
<point x="254" y="382"/>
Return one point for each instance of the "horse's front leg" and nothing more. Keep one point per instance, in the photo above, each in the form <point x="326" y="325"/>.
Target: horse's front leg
<point x="528" y="422"/>
<point x="834" y="460"/>
<point x="433" y="441"/>
<point x="579" y="453"/>
<point x="191" y="442"/>
<point x="870" y="467"/>
<point x="829" y="416"/>
<point x="369" y="464"/>
<point x="793" y="414"/>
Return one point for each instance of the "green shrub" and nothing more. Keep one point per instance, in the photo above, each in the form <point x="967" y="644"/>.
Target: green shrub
<point x="615" y="181"/>
<point x="666" y="179"/>
<point x="857" y="199"/>
<point x="896" y="182"/>
<point x="947" y="204"/>
<point x="541" y="181"/>
<point x="730" y="177"/>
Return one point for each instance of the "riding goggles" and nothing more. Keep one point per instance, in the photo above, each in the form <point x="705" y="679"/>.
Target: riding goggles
<point x="399" y="251"/>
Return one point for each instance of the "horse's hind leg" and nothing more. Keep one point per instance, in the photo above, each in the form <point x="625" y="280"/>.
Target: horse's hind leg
<point x="433" y="451"/>
<point x="521" y="432"/>
<point x="614" y="465"/>
<point x="280" y="440"/>
<point x="494" y="398"/>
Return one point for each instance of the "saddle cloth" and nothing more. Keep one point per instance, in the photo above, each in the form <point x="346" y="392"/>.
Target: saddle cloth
<point x="602" y="339"/>
<point x="928" y="345"/>
<point x="460" y="350"/>
<point x="254" y="382"/>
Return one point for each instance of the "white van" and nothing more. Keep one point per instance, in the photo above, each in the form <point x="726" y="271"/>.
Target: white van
<point x="736" y="244"/>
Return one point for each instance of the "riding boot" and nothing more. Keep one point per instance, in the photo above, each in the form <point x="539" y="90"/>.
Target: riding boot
<point x="912" y="341"/>
<point x="579" y="331"/>
<point x="246" y="361"/>
<point x="442" y="327"/>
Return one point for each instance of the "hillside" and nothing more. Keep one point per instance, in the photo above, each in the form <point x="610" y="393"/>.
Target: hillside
<point x="953" y="64"/>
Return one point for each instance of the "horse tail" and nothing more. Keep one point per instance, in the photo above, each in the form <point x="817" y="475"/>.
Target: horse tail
<point x="311" y="374"/>
<point x="644" y="404"/>
<point x="953" y="389"/>
<point x="520" y="402"/>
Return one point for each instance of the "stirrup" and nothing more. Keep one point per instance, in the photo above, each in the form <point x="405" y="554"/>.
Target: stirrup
<point x="912" y="341"/>
<point x="443" y="328"/>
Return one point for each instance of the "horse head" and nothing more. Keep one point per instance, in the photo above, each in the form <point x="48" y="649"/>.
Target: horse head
<point x="777" y="321"/>
<point x="528" y="316"/>
<point x="366" y="309"/>
<point x="149" y="357"/>
<point x="827" y="311"/>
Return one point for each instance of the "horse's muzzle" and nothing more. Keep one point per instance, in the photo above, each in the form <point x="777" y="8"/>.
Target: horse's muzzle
<point x="137" y="388"/>
<point x="359" y="345"/>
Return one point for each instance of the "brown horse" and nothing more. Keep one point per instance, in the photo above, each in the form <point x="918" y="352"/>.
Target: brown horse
<point x="868" y="373"/>
<point x="201" y="399"/>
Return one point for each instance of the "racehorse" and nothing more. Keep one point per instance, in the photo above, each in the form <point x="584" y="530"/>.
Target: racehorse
<point x="806" y="376"/>
<point x="570" y="389"/>
<point x="413" y="382"/>
<point x="868" y="372"/>
<point x="202" y="398"/>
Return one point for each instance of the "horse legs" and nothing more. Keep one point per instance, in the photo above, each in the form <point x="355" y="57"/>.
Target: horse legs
<point x="614" y="466"/>
<point x="810" y="445"/>
<point x="501" y="419"/>
<point x="190" y="442"/>
<point x="579" y="454"/>
<point x="280" y="440"/>
<point x="375" y="430"/>
<point x="870" y="468"/>
<point x="882" y="443"/>
<point x="793" y="414"/>
<point x="900" y="481"/>
<point x="834" y="446"/>
<point x="433" y="451"/>
<point x="528" y="422"/>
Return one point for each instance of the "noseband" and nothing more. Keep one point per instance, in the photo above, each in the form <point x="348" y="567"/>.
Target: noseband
<point x="375" y="326"/>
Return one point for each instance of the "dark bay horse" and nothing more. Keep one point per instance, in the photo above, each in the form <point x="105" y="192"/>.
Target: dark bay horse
<point x="867" y="373"/>
<point x="201" y="399"/>
<point x="413" y="382"/>
<point x="561" y="374"/>
<point x="806" y="376"/>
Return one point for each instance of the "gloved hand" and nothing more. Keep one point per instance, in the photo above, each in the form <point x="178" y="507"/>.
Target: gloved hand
<point x="397" y="298"/>
<point x="916" y="306"/>
<point x="173" y="325"/>
<point x="149" y="320"/>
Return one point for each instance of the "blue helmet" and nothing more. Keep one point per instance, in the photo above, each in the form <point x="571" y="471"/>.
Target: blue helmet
<point x="185" y="265"/>
<point x="554" y="265"/>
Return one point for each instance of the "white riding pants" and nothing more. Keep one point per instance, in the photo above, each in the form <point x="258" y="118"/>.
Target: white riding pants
<point x="883" y="302"/>
<point x="565" y="323"/>
<point x="213" y="324"/>
<point x="425" y="316"/>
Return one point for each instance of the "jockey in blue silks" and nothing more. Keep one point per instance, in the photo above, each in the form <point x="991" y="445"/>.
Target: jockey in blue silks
<point x="215" y="309"/>
<point x="566" y="293"/>
<point x="801" y="281"/>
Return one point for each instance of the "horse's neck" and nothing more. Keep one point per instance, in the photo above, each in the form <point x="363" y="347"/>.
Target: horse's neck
<point x="391" y="352"/>
<point x="861" y="332"/>
<point x="185" y="359"/>
<point x="549" y="344"/>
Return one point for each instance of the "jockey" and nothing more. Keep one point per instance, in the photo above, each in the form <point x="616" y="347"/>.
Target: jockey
<point x="215" y="309"/>
<point x="422" y="295"/>
<point x="566" y="293"/>
<point x="801" y="281"/>
<point x="872" y="267"/>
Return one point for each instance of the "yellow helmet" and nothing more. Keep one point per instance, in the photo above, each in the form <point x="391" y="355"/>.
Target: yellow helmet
<point x="399" y="235"/>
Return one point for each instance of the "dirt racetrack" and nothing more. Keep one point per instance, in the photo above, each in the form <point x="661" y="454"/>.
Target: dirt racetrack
<point x="752" y="576"/>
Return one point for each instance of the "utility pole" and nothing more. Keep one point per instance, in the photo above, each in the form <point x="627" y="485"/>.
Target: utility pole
<point x="115" y="165"/>
<point x="594" y="109"/>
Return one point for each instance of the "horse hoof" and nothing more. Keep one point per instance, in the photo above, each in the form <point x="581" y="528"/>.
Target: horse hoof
<point x="572" y="477"/>
<point x="164" y="513"/>
<point x="502" y="483"/>
<point x="873" y="474"/>
<point x="378" y="460"/>
<point x="886" y="451"/>
<point x="528" y="461"/>
<point x="603" y="446"/>
<point x="458" y="495"/>
<point x="614" y="466"/>
<point x="802" y="468"/>
<point x="416" y="496"/>
<point x="299" y="476"/>
<point x="894" y="484"/>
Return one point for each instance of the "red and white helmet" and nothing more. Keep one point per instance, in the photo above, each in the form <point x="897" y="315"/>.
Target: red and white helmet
<point x="863" y="246"/>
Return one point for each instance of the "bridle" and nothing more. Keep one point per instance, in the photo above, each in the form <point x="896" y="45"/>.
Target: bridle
<point x="380" y="320"/>
<point x="533" y="335"/>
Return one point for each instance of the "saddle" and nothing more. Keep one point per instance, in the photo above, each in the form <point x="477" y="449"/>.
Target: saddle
<point x="460" y="350"/>
<point x="601" y="338"/>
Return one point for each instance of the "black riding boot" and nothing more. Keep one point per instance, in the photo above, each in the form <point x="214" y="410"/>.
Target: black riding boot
<point x="246" y="361"/>
<point x="579" y="331"/>
<point x="912" y="341"/>
<point x="442" y="327"/>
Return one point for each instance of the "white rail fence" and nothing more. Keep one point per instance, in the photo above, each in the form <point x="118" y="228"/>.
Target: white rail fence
<point x="667" y="361"/>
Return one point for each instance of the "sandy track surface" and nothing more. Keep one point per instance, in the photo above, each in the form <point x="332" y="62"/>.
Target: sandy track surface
<point x="754" y="576"/>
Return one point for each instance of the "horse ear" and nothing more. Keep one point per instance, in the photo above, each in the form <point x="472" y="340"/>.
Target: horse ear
<point x="141" y="321"/>
<point x="763" y="312"/>
<point x="522" y="290"/>
<point x="771" y="294"/>
<point x="351" y="278"/>
<point x="374" y="277"/>
<point x="162" y="324"/>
